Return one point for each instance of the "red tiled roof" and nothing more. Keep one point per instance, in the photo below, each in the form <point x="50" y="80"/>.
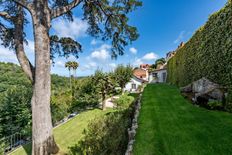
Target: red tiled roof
<point x="139" y="73"/>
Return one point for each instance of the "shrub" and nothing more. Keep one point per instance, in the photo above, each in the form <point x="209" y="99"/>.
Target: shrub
<point x="229" y="101"/>
<point x="15" y="111"/>
<point x="215" y="104"/>
<point x="124" y="101"/>
<point x="105" y="136"/>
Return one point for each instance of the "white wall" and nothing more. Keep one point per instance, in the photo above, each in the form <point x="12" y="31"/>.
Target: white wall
<point x="160" y="78"/>
<point x="135" y="81"/>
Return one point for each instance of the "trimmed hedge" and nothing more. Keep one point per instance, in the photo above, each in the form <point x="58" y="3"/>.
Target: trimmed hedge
<point x="207" y="54"/>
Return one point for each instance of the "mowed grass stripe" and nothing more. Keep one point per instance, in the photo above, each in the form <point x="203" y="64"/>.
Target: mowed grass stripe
<point x="170" y="125"/>
<point x="70" y="133"/>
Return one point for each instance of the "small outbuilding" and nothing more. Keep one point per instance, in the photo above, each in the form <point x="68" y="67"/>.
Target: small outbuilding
<point x="134" y="84"/>
<point x="158" y="76"/>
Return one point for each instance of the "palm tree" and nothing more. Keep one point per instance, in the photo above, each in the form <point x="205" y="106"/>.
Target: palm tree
<point x="75" y="65"/>
<point x="69" y="66"/>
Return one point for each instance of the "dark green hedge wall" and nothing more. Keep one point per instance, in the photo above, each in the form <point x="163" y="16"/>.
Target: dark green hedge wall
<point x="207" y="54"/>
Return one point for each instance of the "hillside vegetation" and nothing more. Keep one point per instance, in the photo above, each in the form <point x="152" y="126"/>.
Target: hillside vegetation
<point x="15" y="95"/>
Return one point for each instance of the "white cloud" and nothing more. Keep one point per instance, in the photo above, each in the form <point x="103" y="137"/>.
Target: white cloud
<point x="7" y="55"/>
<point x="137" y="62"/>
<point x="93" y="42"/>
<point x="113" y="65"/>
<point x="71" y="58"/>
<point x="29" y="48"/>
<point x="89" y="66"/>
<point x="133" y="50"/>
<point x="60" y="64"/>
<point x="74" y="29"/>
<point x="101" y="53"/>
<point x="180" y="37"/>
<point x="150" y="56"/>
<point x="92" y="64"/>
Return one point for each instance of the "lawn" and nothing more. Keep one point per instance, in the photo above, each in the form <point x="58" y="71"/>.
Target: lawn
<point x="69" y="133"/>
<point x="170" y="125"/>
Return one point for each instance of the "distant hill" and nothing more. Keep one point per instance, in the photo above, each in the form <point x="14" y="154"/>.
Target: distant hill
<point x="12" y="75"/>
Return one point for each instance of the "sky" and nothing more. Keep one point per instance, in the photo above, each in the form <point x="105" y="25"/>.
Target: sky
<point x="162" y="25"/>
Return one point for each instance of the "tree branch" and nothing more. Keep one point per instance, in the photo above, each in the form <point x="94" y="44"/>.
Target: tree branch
<point x="64" y="9"/>
<point x="19" y="48"/>
<point x="25" y="63"/>
<point x="5" y="15"/>
<point x="24" y="4"/>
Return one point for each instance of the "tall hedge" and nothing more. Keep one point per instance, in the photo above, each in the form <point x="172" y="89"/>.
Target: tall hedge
<point x="207" y="54"/>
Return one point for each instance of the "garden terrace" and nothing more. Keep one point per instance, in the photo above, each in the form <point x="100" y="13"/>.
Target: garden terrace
<point x="169" y="124"/>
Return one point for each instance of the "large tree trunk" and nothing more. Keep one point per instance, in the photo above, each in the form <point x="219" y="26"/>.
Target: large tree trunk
<point x="42" y="140"/>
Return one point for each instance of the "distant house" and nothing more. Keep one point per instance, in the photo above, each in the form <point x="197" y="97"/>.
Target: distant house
<point x="141" y="73"/>
<point x="145" y="66"/>
<point x="140" y="76"/>
<point x="134" y="84"/>
<point x="158" y="76"/>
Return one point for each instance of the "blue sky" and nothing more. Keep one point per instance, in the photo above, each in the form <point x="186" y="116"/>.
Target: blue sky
<point x="162" y="25"/>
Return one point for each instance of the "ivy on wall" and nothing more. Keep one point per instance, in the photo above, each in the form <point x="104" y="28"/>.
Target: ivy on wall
<point x="207" y="54"/>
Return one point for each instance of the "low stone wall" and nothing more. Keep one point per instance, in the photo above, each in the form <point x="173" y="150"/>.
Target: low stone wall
<point x="134" y="126"/>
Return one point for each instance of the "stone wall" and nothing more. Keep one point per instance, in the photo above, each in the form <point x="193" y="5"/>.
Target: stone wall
<point x="134" y="126"/>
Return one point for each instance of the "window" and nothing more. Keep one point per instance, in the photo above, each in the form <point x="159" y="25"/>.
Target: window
<point x="133" y="86"/>
<point x="164" y="77"/>
<point x="154" y="74"/>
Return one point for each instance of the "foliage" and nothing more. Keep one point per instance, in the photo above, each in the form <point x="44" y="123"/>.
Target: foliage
<point x="122" y="75"/>
<point x="124" y="101"/>
<point x="157" y="63"/>
<point x="59" y="107"/>
<point x="13" y="79"/>
<point x="85" y="94"/>
<point x="104" y="85"/>
<point x="108" y="20"/>
<point x="215" y="104"/>
<point x="207" y="54"/>
<point x="105" y="136"/>
<point x="15" y="111"/>
<point x="229" y="101"/>
<point x="11" y="75"/>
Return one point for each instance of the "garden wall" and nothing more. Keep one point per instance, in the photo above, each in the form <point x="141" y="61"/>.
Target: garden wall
<point x="207" y="54"/>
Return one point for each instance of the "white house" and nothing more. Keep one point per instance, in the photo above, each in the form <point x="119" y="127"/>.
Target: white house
<point x="134" y="84"/>
<point x="158" y="76"/>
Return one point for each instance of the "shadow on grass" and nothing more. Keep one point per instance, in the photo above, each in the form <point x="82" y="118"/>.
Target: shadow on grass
<point x="27" y="148"/>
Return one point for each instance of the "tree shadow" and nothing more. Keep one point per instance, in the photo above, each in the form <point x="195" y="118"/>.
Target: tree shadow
<point x="27" y="148"/>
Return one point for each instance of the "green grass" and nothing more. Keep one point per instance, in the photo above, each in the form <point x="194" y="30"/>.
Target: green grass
<point x="69" y="133"/>
<point x="170" y="125"/>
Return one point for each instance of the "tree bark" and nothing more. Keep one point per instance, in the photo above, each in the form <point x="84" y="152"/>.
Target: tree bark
<point x="103" y="102"/>
<point x="43" y="142"/>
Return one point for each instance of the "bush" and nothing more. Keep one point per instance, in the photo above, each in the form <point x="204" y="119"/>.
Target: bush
<point x="215" y="104"/>
<point x="85" y="95"/>
<point x="105" y="136"/>
<point x="124" y="101"/>
<point x="15" y="111"/>
<point x="229" y="101"/>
